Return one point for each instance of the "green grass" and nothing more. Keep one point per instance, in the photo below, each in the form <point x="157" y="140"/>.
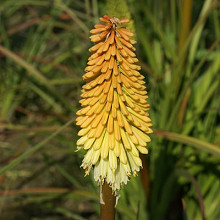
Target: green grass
<point x="43" y="53"/>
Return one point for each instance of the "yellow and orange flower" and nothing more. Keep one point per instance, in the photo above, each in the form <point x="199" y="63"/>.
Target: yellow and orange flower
<point x="114" y="120"/>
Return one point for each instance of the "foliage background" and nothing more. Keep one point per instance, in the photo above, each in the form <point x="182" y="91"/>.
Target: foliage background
<point x="43" y="53"/>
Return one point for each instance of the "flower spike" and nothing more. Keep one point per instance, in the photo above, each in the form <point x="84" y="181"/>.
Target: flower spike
<point x="114" y="120"/>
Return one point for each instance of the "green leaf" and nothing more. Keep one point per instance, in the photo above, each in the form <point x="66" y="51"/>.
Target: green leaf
<point x="199" y="144"/>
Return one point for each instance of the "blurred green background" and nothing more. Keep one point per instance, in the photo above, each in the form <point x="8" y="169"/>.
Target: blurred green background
<point x="43" y="52"/>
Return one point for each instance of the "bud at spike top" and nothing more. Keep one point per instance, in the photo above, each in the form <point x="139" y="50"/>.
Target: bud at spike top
<point x="114" y="120"/>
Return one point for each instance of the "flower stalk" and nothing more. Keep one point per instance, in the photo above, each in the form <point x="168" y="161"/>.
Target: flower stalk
<point x="107" y="202"/>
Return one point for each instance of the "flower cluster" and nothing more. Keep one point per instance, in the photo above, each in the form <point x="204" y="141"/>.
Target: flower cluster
<point x="114" y="120"/>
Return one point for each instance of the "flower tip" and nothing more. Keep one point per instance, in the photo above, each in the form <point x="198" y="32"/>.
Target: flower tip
<point x="107" y="17"/>
<point x="86" y="170"/>
<point x="124" y="20"/>
<point x="134" y="173"/>
<point x="104" y="20"/>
